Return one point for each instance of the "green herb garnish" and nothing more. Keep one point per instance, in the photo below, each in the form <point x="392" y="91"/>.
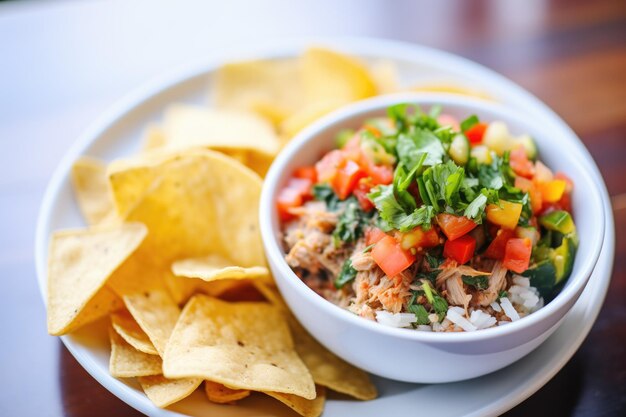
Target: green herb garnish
<point x="346" y="275"/>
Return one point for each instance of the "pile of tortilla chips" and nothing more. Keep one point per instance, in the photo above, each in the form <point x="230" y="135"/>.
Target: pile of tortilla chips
<point x="173" y="254"/>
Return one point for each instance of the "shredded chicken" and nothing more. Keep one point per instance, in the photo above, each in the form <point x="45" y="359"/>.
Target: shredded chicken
<point x="455" y="293"/>
<point x="392" y="293"/>
<point x="362" y="261"/>
<point x="497" y="282"/>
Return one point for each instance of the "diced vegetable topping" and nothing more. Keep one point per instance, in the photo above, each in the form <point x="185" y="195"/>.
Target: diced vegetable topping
<point x="461" y="249"/>
<point x="517" y="255"/>
<point x="390" y="257"/>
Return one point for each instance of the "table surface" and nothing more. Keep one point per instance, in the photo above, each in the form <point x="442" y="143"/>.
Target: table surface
<point x="63" y="63"/>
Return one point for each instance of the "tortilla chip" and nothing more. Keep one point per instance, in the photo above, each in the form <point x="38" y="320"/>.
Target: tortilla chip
<point x="385" y="76"/>
<point x="448" y="87"/>
<point x="307" y="115"/>
<point x="302" y="406"/>
<point x="271" y="88"/>
<point x="163" y="392"/>
<point x="153" y="138"/>
<point x="102" y="304"/>
<point x="124" y="324"/>
<point x="242" y="345"/>
<point x="128" y="362"/>
<point x="91" y="189"/>
<point x="216" y="267"/>
<point x="79" y="263"/>
<point x="197" y="202"/>
<point x="220" y="394"/>
<point x="329" y="75"/>
<point x="326" y="368"/>
<point x="188" y="126"/>
<point x="156" y="313"/>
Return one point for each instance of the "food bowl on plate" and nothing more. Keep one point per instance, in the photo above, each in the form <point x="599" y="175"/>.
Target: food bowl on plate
<point x="407" y="354"/>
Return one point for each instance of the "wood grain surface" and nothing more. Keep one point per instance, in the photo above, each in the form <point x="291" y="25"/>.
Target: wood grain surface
<point x="571" y="54"/>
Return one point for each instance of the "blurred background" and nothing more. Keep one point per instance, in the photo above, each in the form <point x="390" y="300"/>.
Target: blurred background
<point x="63" y="63"/>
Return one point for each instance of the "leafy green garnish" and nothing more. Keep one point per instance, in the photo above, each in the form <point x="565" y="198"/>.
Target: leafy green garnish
<point x="412" y="145"/>
<point x="441" y="184"/>
<point x="469" y="122"/>
<point x="433" y="262"/>
<point x="393" y="215"/>
<point x="440" y="305"/>
<point x="420" y="313"/>
<point x="480" y="282"/>
<point x="428" y="292"/>
<point x="351" y="224"/>
<point x="476" y="208"/>
<point x="503" y="294"/>
<point x="323" y="192"/>
<point x="346" y="275"/>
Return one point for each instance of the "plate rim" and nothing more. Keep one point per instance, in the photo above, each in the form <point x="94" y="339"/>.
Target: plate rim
<point x="383" y="48"/>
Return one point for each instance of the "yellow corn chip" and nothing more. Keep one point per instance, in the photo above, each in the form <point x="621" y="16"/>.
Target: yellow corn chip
<point x="91" y="189"/>
<point x="243" y="345"/>
<point x="156" y="313"/>
<point x="272" y="88"/>
<point x="197" y="202"/>
<point x="128" y="362"/>
<point x="385" y="76"/>
<point x="329" y="75"/>
<point x="188" y="126"/>
<point x="326" y="368"/>
<point x="163" y="392"/>
<point x="307" y="115"/>
<point x="449" y="87"/>
<point x="220" y="394"/>
<point x="79" y="263"/>
<point x="302" y="406"/>
<point x="216" y="267"/>
<point x="124" y="324"/>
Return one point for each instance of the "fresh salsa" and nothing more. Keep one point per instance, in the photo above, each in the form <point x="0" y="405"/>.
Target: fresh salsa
<point x="423" y="221"/>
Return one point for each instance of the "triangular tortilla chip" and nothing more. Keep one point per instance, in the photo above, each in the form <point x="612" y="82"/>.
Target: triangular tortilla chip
<point x="221" y="394"/>
<point x="124" y="324"/>
<point x="156" y="313"/>
<point x="302" y="406"/>
<point x="244" y="345"/>
<point x="128" y="362"/>
<point x="215" y="267"/>
<point x="79" y="263"/>
<point x="326" y="368"/>
<point x="163" y="392"/>
<point x="193" y="203"/>
<point x="92" y="190"/>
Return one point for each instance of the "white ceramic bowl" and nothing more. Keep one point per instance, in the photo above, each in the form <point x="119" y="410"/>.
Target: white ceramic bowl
<point x="405" y="354"/>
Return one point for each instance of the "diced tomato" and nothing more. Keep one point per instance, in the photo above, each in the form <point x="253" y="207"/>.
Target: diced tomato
<point x="294" y="194"/>
<point x="496" y="248"/>
<point x="447" y="120"/>
<point x="346" y="179"/>
<point x="461" y="249"/>
<point x="390" y="257"/>
<point x="327" y="167"/>
<point x="373" y="235"/>
<point x="552" y="191"/>
<point x="528" y="186"/>
<point x="542" y="173"/>
<point x="517" y="254"/>
<point x="504" y="214"/>
<point x="520" y="163"/>
<point x="380" y="174"/>
<point x="475" y="133"/>
<point x="454" y="226"/>
<point x="361" y="191"/>
<point x="419" y="238"/>
<point x="308" y="172"/>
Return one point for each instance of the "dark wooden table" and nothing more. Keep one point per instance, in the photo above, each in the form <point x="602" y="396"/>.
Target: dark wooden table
<point x="571" y="54"/>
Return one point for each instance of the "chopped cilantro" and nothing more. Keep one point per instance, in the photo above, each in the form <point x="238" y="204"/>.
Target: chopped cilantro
<point x="412" y="145"/>
<point x="433" y="262"/>
<point x="476" y="208"/>
<point x="440" y="305"/>
<point x="503" y="294"/>
<point x="420" y="313"/>
<point x="480" y="282"/>
<point x="323" y="192"/>
<point x="393" y="215"/>
<point x="428" y="292"/>
<point x="346" y="275"/>
<point x="469" y="122"/>
<point x="351" y="223"/>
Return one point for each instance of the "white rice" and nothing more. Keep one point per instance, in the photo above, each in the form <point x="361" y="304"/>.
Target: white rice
<point x="425" y="328"/>
<point x="496" y="307"/>
<point x="395" y="320"/>
<point x="508" y="308"/>
<point x="521" y="281"/>
<point x="481" y="320"/>
<point x="456" y="318"/>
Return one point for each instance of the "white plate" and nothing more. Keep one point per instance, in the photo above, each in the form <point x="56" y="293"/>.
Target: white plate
<point x="118" y="134"/>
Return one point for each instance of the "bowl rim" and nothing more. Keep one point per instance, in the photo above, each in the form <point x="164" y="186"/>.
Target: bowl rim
<point x="274" y="251"/>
